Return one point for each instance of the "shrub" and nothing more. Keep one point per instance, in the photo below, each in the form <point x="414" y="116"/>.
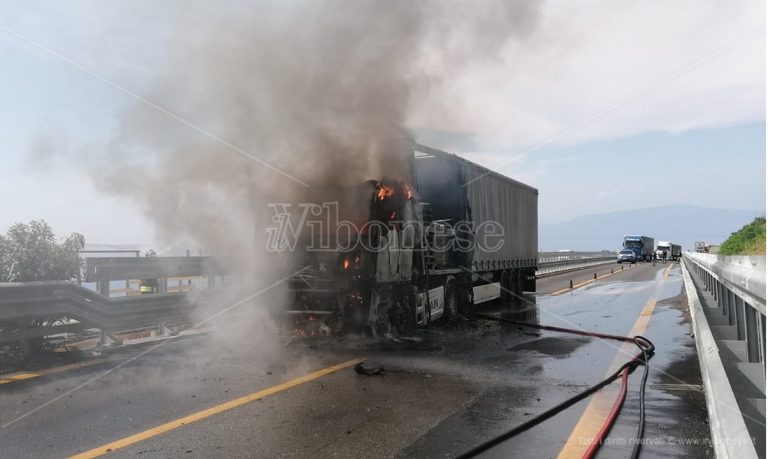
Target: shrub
<point x="749" y="240"/>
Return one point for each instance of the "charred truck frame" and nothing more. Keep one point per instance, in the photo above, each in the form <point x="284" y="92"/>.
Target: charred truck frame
<point x="451" y="236"/>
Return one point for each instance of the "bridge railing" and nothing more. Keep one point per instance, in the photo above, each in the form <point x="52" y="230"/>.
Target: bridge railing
<point x="737" y="284"/>
<point x="558" y="262"/>
<point x="726" y="297"/>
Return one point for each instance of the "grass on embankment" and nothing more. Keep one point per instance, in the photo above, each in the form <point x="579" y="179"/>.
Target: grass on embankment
<point x="749" y="240"/>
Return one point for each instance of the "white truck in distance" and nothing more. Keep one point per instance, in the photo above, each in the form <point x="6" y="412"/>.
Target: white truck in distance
<point x="666" y="250"/>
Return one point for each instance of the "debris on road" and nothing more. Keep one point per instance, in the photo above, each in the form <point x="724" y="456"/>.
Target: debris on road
<point x="361" y="369"/>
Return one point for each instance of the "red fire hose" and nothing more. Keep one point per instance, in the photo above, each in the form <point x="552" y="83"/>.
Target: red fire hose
<point x="609" y="421"/>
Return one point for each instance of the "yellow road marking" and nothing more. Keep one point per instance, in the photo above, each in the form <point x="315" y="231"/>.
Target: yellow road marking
<point x="601" y="403"/>
<point x="18" y="377"/>
<point x="200" y="415"/>
<point x="569" y="289"/>
<point x="34" y="374"/>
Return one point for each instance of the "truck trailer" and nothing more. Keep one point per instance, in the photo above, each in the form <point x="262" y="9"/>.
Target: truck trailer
<point x="449" y="236"/>
<point x="641" y="245"/>
<point x="676" y="251"/>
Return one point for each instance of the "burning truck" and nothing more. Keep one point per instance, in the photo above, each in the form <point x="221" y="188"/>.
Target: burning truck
<point x="407" y="251"/>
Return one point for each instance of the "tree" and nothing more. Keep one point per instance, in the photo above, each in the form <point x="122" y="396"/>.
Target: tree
<point x="31" y="253"/>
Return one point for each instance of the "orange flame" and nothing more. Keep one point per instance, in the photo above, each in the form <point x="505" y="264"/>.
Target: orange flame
<point x="346" y="263"/>
<point x="385" y="192"/>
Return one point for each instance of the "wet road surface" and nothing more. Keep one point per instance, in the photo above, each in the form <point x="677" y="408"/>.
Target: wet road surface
<point x="457" y="385"/>
<point x="559" y="283"/>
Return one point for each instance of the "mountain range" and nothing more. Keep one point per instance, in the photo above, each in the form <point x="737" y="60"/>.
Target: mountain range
<point x="681" y="224"/>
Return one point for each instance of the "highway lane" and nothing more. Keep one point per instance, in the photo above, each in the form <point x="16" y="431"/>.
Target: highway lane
<point x="461" y="383"/>
<point x="609" y="307"/>
<point x="560" y="282"/>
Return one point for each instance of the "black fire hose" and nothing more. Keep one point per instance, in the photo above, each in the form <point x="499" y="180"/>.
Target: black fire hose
<point x="646" y="352"/>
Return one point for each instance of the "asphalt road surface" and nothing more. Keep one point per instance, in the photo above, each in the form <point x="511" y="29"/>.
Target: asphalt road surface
<point x="251" y="390"/>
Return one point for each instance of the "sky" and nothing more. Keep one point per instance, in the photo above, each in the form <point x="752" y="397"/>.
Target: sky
<point x="601" y="105"/>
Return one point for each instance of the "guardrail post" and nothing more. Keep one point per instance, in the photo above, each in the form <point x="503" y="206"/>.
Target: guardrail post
<point x="721" y="299"/>
<point x="102" y="287"/>
<point x="164" y="330"/>
<point x="761" y="338"/>
<point x="752" y="326"/>
<point x="105" y="339"/>
<point x="731" y="305"/>
<point x="740" y="319"/>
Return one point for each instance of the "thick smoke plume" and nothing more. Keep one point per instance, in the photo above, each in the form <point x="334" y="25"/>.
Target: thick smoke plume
<point x="320" y="90"/>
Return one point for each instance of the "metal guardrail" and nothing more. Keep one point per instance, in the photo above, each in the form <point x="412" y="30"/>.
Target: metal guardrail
<point x="727" y="301"/>
<point x="83" y="308"/>
<point x="22" y="302"/>
<point x="737" y="284"/>
<point x="558" y="262"/>
<point x="103" y="270"/>
<point x="37" y="309"/>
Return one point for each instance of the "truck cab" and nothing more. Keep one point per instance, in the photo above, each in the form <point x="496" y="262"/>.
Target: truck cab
<point x="663" y="250"/>
<point x="642" y="246"/>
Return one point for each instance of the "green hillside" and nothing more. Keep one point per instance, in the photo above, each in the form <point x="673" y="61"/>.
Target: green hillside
<point x="749" y="240"/>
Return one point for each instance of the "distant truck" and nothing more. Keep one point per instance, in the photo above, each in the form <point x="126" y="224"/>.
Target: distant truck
<point x="677" y="252"/>
<point x="641" y="245"/>
<point x="666" y="250"/>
